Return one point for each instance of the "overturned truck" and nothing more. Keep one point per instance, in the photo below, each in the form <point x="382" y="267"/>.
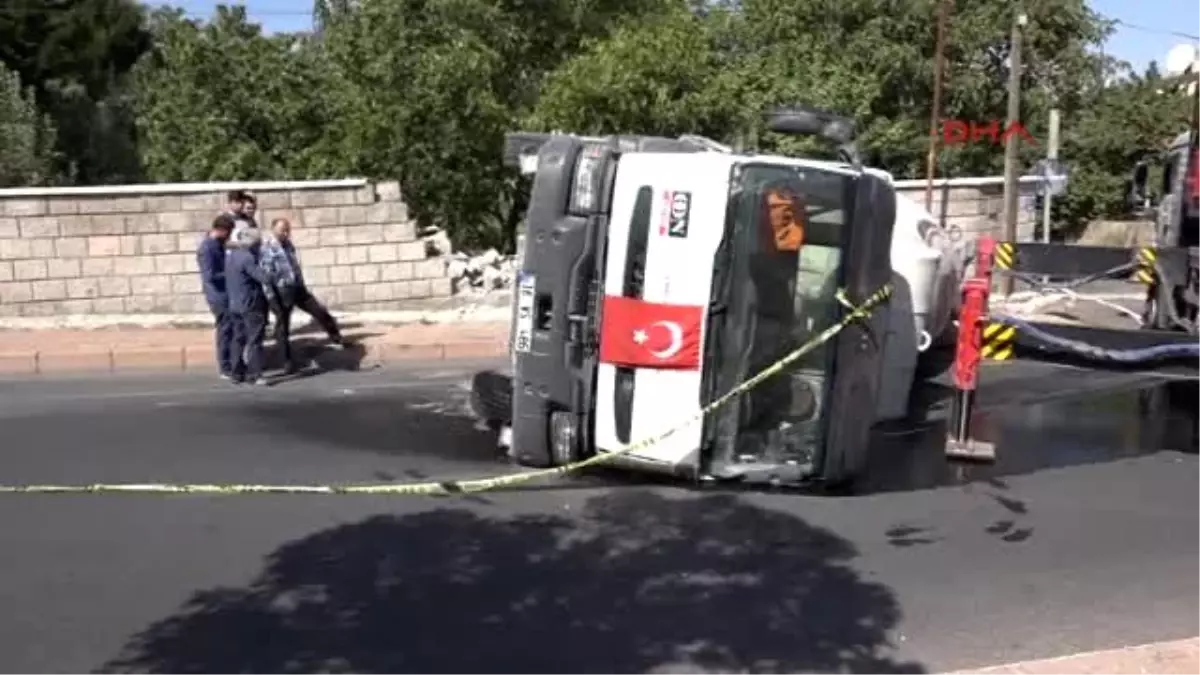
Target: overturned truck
<point x="658" y="274"/>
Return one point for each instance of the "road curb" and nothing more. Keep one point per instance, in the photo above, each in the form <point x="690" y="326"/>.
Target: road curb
<point x="193" y="358"/>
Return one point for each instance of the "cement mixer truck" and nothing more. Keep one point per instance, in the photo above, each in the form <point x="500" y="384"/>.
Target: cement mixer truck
<point x="659" y="273"/>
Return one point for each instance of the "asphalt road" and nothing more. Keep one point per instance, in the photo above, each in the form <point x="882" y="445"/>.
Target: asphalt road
<point x="1084" y="536"/>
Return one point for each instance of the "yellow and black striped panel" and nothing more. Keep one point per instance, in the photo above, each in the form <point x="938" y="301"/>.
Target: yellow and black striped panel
<point x="998" y="340"/>
<point x="1006" y="255"/>
<point x="1144" y="273"/>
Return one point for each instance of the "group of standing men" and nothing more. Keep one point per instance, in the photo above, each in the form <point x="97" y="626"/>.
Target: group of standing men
<point x="246" y="273"/>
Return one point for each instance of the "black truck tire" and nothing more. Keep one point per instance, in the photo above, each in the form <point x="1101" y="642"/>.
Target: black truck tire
<point x="491" y="397"/>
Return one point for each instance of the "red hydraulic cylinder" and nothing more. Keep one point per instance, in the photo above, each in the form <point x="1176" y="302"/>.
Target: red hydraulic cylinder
<point x="973" y="315"/>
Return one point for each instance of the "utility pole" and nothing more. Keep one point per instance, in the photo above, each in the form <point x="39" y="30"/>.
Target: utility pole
<point x="1051" y="156"/>
<point x="1011" y="188"/>
<point x="935" y="117"/>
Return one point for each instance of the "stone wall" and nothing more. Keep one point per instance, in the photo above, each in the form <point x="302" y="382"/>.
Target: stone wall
<point x="132" y="249"/>
<point x="975" y="206"/>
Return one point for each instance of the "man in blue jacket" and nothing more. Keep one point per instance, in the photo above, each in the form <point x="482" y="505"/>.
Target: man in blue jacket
<point x="245" y="278"/>
<point x="210" y="258"/>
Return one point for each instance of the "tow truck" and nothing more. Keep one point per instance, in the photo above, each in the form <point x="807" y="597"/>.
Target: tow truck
<point x="657" y="274"/>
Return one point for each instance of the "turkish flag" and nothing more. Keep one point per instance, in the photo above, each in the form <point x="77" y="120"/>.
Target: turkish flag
<point x="650" y="334"/>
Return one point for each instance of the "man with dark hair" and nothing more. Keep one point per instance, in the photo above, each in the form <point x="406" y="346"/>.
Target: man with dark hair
<point x="235" y="203"/>
<point x="210" y="259"/>
<point x="249" y="209"/>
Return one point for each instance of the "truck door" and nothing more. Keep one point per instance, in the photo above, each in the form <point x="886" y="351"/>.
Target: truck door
<point x="858" y="350"/>
<point x="666" y="224"/>
<point x="798" y="231"/>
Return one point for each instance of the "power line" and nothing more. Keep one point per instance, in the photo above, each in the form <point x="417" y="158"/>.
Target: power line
<point x="1158" y="31"/>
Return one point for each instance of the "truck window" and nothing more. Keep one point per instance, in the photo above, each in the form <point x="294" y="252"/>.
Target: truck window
<point x="805" y="211"/>
<point x="786" y="226"/>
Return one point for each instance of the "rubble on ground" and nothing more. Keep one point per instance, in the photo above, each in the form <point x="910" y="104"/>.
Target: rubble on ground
<point x="470" y="274"/>
<point x="436" y="241"/>
<point x="487" y="272"/>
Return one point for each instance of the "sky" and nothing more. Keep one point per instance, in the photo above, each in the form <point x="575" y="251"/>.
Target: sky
<point x="1144" y="37"/>
<point x="1153" y="19"/>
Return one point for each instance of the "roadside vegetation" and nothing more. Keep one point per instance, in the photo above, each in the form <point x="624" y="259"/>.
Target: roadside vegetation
<point x="106" y="91"/>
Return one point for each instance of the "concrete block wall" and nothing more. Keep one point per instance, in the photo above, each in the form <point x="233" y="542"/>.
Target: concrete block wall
<point x="132" y="249"/>
<point x="975" y="206"/>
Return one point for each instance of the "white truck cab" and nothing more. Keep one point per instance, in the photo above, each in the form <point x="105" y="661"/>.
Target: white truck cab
<point x="658" y="274"/>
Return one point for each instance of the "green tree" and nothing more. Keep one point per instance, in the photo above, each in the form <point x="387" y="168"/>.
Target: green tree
<point x="426" y="89"/>
<point x="26" y="136"/>
<point x="219" y="100"/>
<point x="1126" y="122"/>
<point x="76" y="54"/>
<point x="715" y="68"/>
<point x="649" y="77"/>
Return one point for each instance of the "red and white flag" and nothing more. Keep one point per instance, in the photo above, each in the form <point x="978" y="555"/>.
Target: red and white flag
<point x="650" y="334"/>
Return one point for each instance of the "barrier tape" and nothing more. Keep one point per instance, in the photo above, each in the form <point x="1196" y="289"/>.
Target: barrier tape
<point x="472" y="485"/>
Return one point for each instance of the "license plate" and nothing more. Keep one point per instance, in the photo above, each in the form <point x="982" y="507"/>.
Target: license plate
<point x="523" y="335"/>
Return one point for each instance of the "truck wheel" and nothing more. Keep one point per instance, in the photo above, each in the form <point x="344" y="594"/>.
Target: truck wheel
<point x="491" y="397"/>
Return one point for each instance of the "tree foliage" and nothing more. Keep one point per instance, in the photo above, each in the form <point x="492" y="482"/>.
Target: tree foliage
<point x="424" y="90"/>
<point x="221" y="101"/>
<point x="26" y="135"/>
<point x="76" y="56"/>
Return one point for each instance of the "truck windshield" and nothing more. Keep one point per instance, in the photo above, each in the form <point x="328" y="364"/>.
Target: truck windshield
<point x="782" y="256"/>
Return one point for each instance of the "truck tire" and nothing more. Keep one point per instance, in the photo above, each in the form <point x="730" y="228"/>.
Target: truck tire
<point x="491" y="397"/>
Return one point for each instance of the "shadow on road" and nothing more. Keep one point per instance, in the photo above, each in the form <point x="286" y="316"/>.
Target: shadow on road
<point x="320" y="356"/>
<point x="637" y="582"/>
<point x="435" y="426"/>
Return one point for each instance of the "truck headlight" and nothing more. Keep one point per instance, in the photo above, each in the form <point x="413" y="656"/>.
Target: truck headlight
<point x="585" y="187"/>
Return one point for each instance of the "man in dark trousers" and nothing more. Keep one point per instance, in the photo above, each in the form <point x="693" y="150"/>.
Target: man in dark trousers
<point x="247" y="305"/>
<point x="210" y="259"/>
<point x="287" y="291"/>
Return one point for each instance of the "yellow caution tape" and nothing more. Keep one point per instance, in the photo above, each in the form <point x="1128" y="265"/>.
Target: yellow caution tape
<point x="472" y="485"/>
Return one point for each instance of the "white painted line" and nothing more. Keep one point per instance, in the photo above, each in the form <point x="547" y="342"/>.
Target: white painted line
<point x="227" y="391"/>
<point x="1174" y="656"/>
